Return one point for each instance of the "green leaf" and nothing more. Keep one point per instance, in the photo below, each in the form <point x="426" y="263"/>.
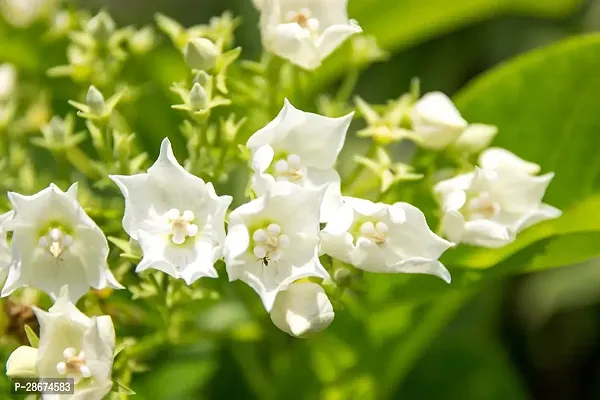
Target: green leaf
<point x="400" y="24"/>
<point x="120" y="388"/>
<point x="34" y="341"/>
<point x="545" y="105"/>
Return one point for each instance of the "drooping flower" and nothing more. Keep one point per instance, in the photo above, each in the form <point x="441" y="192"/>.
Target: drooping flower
<point x="384" y="238"/>
<point x="177" y="218"/>
<point x="490" y="206"/>
<point x="54" y="242"/>
<point x="273" y="240"/>
<point x="305" y="32"/>
<point x="71" y="345"/>
<point x="302" y="309"/>
<point x="302" y="148"/>
<point x="436" y="121"/>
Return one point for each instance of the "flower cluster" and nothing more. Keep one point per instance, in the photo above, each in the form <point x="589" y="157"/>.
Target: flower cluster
<point x="300" y="231"/>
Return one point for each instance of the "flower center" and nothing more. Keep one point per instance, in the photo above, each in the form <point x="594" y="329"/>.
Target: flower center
<point x="181" y="225"/>
<point x="483" y="207"/>
<point x="377" y="233"/>
<point x="290" y="169"/>
<point x="269" y="242"/>
<point x="74" y="365"/>
<point x="304" y="19"/>
<point x="56" y="242"/>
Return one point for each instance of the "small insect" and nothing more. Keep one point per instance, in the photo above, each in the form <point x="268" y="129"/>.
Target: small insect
<point x="265" y="260"/>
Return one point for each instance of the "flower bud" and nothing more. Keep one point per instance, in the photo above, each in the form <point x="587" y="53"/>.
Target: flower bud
<point x="198" y="98"/>
<point x="436" y="121"/>
<point x="95" y="100"/>
<point x="142" y="41"/>
<point x="201" y="53"/>
<point x="101" y="27"/>
<point x="476" y="138"/>
<point x="22" y="363"/>
<point x="302" y="309"/>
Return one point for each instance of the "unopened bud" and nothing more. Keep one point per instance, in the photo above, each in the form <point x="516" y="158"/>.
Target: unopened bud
<point x="201" y="53"/>
<point x="95" y="100"/>
<point x="101" y="27"/>
<point x="201" y="78"/>
<point x="198" y="98"/>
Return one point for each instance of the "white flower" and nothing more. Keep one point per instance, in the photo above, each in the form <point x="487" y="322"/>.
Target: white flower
<point x="378" y="237"/>
<point x="8" y="81"/>
<point x="436" y="121"/>
<point x="21" y="13"/>
<point x="273" y="240"/>
<point x="489" y="206"/>
<point x="476" y="138"/>
<point x="302" y="148"/>
<point x="54" y="243"/>
<point x="71" y="345"/>
<point x="178" y="219"/>
<point x="302" y="309"/>
<point x="305" y="32"/>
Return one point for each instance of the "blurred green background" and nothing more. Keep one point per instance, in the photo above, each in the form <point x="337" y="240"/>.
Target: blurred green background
<point x="535" y="336"/>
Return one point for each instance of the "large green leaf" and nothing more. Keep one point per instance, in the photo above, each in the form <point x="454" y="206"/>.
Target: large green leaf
<point x="545" y="105"/>
<point x="400" y="23"/>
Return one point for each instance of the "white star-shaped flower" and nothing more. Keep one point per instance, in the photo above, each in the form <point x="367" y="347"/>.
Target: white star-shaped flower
<point x="54" y="242"/>
<point x="305" y="32"/>
<point x="273" y="240"/>
<point x="489" y="206"/>
<point x="384" y="238"/>
<point x="5" y="253"/>
<point x="302" y="148"/>
<point x="178" y="220"/>
<point x="71" y="345"/>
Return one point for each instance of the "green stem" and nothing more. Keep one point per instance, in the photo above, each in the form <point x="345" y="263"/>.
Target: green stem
<point x="350" y="181"/>
<point x="348" y="85"/>
<point x="83" y="163"/>
<point x="404" y="356"/>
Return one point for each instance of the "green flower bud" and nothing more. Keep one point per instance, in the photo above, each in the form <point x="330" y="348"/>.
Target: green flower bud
<point x="95" y="100"/>
<point x="202" y="78"/>
<point x="101" y="27"/>
<point x="201" y="53"/>
<point x="198" y="98"/>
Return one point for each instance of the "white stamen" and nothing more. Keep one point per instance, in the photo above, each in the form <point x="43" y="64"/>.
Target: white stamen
<point x="382" y="227"/>
<point x="61" y="368"/>
<point x="188" y="216"/>
<point x="68" y="241"/>
<point x="367" y="229"/>
<point x="43" y="242"/>
<point x="259" y="235"/>
<point x="294" y="161"/>
<point x="273" y="229"/>
<point x="173" y="213"/>
<point x="55" y="234"/>
<point x="284" y="241"/>
<point x="260" y="252"/>
<point x="275" y="255"/>
<point x="69" y="352"/>
<point x="85" y="371"/>
<point x="281" y="166"/>
<point x="178" y="237"/>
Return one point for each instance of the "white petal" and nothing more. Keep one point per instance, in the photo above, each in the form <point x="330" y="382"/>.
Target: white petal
<point x="476" y="138"/>
<point x="334" y="36"/>
<point x="291" y="42"/>
<point x="330" y="180"/>
<point x="485" y="233"/>
<point x="453" y="225"/>
<point x="98" y="343"/>
<point x="497" y="158"/>
<point x="422" y="266"/>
